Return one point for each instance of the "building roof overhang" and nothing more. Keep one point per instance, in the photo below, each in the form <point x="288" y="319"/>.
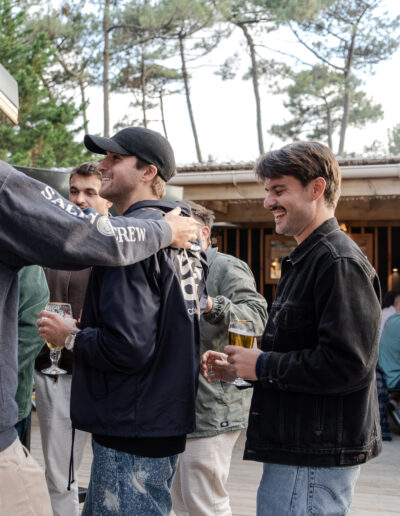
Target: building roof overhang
<point x="370" y="190"/>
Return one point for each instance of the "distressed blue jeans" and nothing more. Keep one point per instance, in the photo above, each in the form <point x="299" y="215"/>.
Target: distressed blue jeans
<point x="305" y="491"/>
<point x="123" y="484"/>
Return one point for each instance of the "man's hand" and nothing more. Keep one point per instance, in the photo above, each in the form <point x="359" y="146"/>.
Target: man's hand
<point x="243" y="360"/>
<point x="184" y="229"/>
<point x="214" y="366"/>
<point x="54" y="328"/>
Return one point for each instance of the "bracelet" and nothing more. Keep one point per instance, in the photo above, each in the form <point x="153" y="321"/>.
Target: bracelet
<point x="70" y="341"/>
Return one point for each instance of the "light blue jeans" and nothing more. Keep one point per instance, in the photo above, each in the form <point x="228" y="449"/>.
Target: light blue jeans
<point x="123" y="484"/>
<point x="305" y="491"/>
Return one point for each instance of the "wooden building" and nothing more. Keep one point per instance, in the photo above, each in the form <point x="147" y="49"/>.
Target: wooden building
<point x="368" y="210"/>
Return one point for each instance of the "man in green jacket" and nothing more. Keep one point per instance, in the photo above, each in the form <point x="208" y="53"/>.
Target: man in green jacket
<point x="221" y="409"/>
<point x="33" y="296"/>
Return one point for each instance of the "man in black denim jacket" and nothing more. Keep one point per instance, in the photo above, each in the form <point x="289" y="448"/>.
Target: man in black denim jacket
<point x="314" y="414"/>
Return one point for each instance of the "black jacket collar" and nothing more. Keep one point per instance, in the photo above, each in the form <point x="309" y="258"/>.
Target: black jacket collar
<point x="329" y="226"/>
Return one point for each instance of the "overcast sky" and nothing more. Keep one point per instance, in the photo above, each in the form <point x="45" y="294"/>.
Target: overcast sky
<point x="225" y="111"/>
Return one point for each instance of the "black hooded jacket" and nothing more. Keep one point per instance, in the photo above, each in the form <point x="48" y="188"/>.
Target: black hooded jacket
<point x="137" y="356"/>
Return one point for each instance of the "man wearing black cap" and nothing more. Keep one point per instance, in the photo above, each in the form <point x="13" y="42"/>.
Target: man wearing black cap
<point x="137" y="351"/>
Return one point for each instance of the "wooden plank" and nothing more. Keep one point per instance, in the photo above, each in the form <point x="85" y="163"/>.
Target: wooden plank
<point x="377" y="491"/>
<point x="225" y="240"/>
<point x="249" y="249"/>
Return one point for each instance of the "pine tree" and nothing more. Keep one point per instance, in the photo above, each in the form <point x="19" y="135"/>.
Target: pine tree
<point x="43" y="137"/>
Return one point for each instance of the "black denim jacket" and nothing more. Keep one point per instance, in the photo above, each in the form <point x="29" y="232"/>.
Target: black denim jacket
<point x="316" y="401"/>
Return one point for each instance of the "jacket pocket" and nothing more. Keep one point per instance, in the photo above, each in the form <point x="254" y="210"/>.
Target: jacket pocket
<point x="322" y="421"/>
<point x="294" y="329"/>
<point x="154" y="471"/>
<point x="291" y="317"/>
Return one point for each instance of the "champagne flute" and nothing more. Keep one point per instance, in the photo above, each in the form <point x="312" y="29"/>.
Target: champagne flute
<point x="241" y="333"/>
<point x="65" y="310"/>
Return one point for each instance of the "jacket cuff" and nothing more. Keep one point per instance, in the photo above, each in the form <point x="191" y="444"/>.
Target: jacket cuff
<point x="267" y="368"/>
<point x="258" y="366"/>
<point x="216" y="311"/>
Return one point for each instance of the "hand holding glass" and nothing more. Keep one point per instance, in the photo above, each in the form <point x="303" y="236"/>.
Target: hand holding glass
<point x="64" y="310"/>
<point x="241" y="333"/>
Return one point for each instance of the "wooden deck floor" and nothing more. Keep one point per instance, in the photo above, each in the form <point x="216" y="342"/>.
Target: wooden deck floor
<point x="377" y="491"/>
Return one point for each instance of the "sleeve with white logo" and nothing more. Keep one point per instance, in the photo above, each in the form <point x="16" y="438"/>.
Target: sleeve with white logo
<point x="39" y="226"/>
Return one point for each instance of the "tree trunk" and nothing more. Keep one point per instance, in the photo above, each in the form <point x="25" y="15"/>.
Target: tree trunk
<point x="143" y="88"/>
<point x="328" y="123"/>
<point x="254" y="75"/>
<point x="189" y="104"/>
<point x="84" y="113"/>
<point x="160" y="94"/>
<point x="106" y="62"/>
<point x="347" y="91"/>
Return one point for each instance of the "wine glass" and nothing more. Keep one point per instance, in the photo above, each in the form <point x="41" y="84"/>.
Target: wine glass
<point x="241" y="333"/>
<point x="65" y="310"/>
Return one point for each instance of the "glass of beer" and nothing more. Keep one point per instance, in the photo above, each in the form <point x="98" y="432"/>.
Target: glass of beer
<point x="241" y="333"/>
<point x="65" y="310"/>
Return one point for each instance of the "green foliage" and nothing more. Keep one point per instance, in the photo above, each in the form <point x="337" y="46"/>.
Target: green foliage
<point x="139" y="50"/>
<point x="315" y="103"/>
<point x="352" y="28"/>
<point x="375" y="148"/>
<point x="42" y="137"/>
<point x="350" y="36"/>
<point x="394" y="140"/>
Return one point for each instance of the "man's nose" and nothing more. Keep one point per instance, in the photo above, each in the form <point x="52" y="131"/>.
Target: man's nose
<point x="102" y="165"/>
<point x="80" y="199"/>
<point x="268" y="202"/>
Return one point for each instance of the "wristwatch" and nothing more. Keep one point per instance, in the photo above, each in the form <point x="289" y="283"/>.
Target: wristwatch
<point x="70" y="341"/>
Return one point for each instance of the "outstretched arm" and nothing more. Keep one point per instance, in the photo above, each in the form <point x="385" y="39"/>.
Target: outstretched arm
<point x="39" y="226"/>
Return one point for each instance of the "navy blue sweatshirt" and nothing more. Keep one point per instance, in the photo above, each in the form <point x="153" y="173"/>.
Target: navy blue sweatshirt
<point x="137" y="357"/>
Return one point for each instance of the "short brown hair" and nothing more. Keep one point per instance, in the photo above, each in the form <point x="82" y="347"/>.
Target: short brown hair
<point x="305" y="161"/>
<point x="89" y="168"/>
<point x="201" y="213"/>
<point x="158" y="186"/>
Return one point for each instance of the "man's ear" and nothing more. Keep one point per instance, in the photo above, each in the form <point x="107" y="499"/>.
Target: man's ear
<point x="149" y="173"/>
<point x="318" y="188"/>
<point x="205" y="232"/>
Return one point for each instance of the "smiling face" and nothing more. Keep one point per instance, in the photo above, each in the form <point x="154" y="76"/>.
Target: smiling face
<point x="293" y="205"/>
<point x="84" y="192"/>
<point x="121" y="178"/>
<point x="123" y="182"/>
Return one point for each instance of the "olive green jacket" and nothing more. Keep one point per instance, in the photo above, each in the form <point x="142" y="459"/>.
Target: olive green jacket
<point x="221" y="407"/>
<point x="33" y="296"/>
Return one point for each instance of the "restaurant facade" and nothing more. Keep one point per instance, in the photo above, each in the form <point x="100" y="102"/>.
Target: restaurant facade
<point x="368" y="211"/>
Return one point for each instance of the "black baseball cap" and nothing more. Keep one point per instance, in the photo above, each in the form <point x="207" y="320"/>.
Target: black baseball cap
<point x="143" y="143"/>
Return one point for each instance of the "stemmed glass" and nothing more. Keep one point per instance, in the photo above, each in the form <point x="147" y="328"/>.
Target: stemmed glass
<point x="65" y="310"/>
<point x="241" y="333"/>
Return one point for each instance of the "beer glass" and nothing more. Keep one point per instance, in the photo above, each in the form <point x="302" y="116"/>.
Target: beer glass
<point x="241" y="333"/>
<point x="65" y="310"/>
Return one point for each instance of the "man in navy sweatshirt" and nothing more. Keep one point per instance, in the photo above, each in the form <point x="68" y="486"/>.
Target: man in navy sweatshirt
<point x="137" y="352"/>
